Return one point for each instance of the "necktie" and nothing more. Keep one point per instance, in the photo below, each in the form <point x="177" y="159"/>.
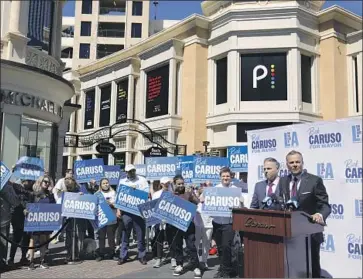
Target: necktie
<point x="269" y="190"/>
<point x="294" y="187"/>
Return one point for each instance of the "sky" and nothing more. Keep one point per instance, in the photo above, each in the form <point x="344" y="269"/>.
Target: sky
<point x="173" y="9"/>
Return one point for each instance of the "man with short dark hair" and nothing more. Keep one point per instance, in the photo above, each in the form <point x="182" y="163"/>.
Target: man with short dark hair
<point x="268" y="186"/>
<point x="310" y="192"/>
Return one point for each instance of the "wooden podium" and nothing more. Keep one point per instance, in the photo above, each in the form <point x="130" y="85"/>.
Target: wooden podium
<point x="276" y="243"/>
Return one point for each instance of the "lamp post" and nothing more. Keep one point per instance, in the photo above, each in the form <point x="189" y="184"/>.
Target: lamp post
<point x="206" y="144"/>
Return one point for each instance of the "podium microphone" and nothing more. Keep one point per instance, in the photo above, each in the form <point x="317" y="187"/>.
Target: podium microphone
<point x="267" y="202"/>
<point x="292" y="204"/>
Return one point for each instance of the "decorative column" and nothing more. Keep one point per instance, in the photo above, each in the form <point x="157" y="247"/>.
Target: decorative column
<point x="17" y="37"/>
<point x="172" y="86"/>
<point x="62" y="130"/>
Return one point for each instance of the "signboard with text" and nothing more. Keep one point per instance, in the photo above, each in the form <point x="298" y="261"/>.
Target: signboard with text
<point x="43" y="217"/>
<point x="128" y="199"/>
<point x="29" y="168"/>
<point x="238" y="158"/>
<point x="75" y="205"/>
<point x="219" y="201"/>
<point x="159" y="167"/>
<point x="5" y="175"/>
<point x="85" y="170"/>
<point x="175" y="211"/>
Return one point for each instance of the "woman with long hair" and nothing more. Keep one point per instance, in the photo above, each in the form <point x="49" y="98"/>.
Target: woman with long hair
<point x="109" y="194"/>
<point x="41" y="195"/>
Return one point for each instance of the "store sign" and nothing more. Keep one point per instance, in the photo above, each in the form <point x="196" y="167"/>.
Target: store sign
<point x="155" y="152"/>
<point x="264" y="77"/>
<point x="105" y="148"/>
<point x="27" y="100"/>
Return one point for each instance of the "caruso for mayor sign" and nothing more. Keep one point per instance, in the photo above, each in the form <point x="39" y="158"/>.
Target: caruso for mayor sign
<point x="27" y="100"/>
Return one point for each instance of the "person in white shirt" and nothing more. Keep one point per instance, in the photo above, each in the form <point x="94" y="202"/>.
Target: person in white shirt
<point x="133" y="221"/>
<point x="268" y="186"/>
<point x="159" y="238"/>
<point x="60" y="186"/>
<point x="223" y="231"/>
<point x="203" y="232"/>
<point x="110" y="196"/>
<point x="133" y="180"/>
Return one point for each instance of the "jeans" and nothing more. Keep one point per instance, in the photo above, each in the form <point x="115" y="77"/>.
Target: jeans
<point x="132" y="221"/>
<point x="158" y="243"/>
<point x="204" y="234"/>
<point x="224" y="235"/>
<point x="177" y="246"/>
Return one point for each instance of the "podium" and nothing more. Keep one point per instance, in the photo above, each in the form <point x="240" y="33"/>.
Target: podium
<point x="276" y="243"/>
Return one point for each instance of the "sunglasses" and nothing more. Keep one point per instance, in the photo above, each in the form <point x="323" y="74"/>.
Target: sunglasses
<point x="46" y="181"/>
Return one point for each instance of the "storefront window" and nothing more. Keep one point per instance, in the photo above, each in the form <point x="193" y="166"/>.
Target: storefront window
<point x="35" y="140"/>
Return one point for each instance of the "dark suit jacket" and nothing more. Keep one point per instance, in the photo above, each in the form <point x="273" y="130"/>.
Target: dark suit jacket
<point x="311" y="195"/>
<point x="260" y="193"/>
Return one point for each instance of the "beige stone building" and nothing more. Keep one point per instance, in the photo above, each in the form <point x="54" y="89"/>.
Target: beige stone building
<point x="212" y="77"/>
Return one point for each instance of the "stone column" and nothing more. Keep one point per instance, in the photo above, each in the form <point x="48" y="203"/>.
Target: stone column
<point x="62" y="130"/>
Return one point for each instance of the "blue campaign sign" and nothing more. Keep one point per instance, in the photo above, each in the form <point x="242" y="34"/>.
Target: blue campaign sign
<point x="207" y="168"/>
<point x="85" y="170"/>
<point x="141" y="169"/>
<point x="175" y="211"/>
<point x="75" y="205"/>
<point x="158" y="167"/>
<point x="238" y="158"/>
<point x="29" y="168"/>
<point x="128" y="198"/>
<point x="43" y="217"/>
<point x="147" y="210"/>
<point x="106" y="216"/>
<point x="5" y="175"/>
<point x="185" y="167"/>
<point x="219" y="201"/>
<point x="112" y="173"/>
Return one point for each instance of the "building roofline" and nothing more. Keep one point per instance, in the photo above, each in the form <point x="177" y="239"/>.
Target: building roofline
<point x="342" y="15"/>
<point x="150" y="42"/>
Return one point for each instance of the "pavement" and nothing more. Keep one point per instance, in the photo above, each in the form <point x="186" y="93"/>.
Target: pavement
<point x="102" y="269"/>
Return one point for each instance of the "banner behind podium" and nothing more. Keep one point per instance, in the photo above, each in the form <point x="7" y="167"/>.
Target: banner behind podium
<point x="333" y="151"/>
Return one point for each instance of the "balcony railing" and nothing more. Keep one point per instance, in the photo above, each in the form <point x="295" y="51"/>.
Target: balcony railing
<point x="112" y="11"/>
<point x="111" y="33"/>
<point x="41" y="60"/>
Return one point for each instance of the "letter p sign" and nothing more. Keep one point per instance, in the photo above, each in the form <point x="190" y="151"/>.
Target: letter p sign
<point x="257" y="77"/>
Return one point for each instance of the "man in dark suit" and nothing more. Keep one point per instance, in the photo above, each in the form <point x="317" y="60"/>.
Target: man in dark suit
<point x="312" y="197"/>
<point x="269" y="185"/>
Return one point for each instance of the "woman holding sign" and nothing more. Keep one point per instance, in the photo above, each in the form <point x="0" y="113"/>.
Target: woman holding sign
<point x="41" y="195"/>
<point x="109" y="195"/>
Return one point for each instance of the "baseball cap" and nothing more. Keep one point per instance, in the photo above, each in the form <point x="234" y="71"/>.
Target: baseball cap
<point x="164" y="180"/>
<point x="130" y="167"/>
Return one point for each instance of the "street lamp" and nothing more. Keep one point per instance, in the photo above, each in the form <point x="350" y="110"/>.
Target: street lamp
<point x="206" y="144"/>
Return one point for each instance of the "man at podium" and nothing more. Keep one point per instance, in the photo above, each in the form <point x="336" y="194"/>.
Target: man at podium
<point x="268" y="186"/>
<point x="311" y="195"/>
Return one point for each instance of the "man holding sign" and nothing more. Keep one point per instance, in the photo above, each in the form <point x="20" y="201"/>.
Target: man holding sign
<point x="132" y="191"/>
<point x="222" y="224"/>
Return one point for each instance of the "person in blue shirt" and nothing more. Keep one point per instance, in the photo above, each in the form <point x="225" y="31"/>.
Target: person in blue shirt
<point x="133" y="221"/>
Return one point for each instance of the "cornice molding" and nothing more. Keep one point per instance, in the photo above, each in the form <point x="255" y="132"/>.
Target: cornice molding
<point x="135" y="62"/>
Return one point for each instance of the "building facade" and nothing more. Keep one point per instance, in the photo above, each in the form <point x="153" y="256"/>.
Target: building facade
<point x="35" y="106"/>
<point x="243" y="65"/>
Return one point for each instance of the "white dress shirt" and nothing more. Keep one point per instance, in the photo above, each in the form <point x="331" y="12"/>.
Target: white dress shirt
<point x="298" y="182"/>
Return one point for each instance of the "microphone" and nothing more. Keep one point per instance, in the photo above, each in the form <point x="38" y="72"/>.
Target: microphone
<point x="267" y="202"/>
<point x="277" y="202"/>
<point x="292" y="204"/>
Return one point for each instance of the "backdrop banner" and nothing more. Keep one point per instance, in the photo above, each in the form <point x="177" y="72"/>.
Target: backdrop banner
<point x="333" y="151"/>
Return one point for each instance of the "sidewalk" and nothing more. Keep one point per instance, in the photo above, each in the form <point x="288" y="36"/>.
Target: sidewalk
<point x="103" y="269"/>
